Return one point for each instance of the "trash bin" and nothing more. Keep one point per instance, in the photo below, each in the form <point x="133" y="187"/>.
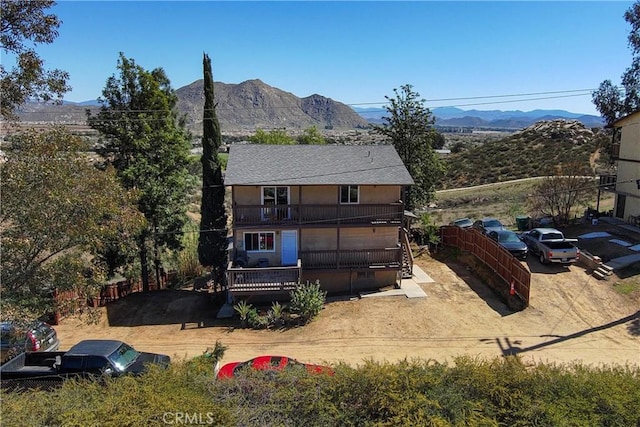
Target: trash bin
<point x="523" y="223"/>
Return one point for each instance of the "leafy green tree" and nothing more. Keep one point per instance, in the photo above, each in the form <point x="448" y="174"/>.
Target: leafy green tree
<point x="559" y="193"/>
<point x="311" y="136"/>
<point x="608" y="101"/>
<point x="23" y="25"/>
<point x="146" y="142"/>
<point x="612" y="101"/>
<point x="410" y="129"/>
<point x="212" y="244"/>
<point x="57" y="212"/>
<point x="273" y="137"/>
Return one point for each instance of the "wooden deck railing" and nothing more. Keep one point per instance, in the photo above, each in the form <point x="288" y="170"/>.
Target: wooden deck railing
<point x="359" y="258"/>
<point x="263" y="280"/>
<point x="318" y="214"/>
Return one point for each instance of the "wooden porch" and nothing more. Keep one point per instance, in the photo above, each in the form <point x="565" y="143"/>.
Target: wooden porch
<point x="281" y="280"/>
<point x="267" y="280"/>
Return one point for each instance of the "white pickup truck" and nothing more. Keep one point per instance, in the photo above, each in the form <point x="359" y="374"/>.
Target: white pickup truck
<point x="551" y="246"/>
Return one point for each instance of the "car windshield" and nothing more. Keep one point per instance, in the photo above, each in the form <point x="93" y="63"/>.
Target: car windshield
<point x="462" y="222"/>
<point x="508" y="237"/>
<point x="124" y="356"/>
<point x="492" y="223"/>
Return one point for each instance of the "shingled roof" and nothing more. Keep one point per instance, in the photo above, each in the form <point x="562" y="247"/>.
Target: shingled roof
<point x="257" y="164"/>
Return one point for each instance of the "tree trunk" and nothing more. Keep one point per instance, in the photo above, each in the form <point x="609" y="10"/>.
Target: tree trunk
<point x="143" y="263"/>
<point x="156" y="262"/>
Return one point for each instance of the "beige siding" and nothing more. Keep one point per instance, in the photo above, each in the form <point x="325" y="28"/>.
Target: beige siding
<point x="316" y="239"/>
<point x="246" y="195"/>
<point x="320" y="195"/>
<point x="374" y="194"/>
<point x="629" y="165"/>
<point x="368" y="237"/>
<point x="630" y="139"/>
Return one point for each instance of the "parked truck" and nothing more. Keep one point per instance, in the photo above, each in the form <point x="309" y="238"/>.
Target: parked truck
<point x="88" y="358"/>
<point x="551" y="246"/>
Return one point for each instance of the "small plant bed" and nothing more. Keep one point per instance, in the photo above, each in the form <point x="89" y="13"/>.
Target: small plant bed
<point x="305" y="303"/>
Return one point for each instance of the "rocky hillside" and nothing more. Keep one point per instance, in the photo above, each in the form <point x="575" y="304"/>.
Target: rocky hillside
<point x="534" y="151"/>
<point x="241" y="107"/>
<point x="253" y="104"/>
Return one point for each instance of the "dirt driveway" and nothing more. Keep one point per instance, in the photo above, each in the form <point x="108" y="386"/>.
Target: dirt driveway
<point x="572" y="316"/>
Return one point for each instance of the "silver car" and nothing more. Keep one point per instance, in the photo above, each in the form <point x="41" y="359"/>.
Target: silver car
<point x="16" y="337"/>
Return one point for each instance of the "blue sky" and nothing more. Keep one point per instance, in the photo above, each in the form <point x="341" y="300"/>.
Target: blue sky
<point x="356" y="52"/>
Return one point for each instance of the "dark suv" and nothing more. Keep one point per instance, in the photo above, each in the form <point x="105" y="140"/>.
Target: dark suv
<point x="16" y="338"/>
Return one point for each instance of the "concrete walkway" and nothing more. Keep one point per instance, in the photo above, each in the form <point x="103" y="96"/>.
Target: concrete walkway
<point x="409" y="288"/>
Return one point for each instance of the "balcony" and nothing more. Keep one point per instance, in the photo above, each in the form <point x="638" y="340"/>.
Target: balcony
<point x="318" y="215"/>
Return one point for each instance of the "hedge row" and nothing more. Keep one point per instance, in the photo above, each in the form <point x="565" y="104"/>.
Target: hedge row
<point x="475" y="392"/>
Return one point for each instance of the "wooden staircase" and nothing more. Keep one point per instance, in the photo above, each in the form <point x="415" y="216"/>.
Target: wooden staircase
<point x="407" y="255"/>
<point x="602" y="272"/>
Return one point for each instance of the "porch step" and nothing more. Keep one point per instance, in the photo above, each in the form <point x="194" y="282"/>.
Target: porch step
<point x="602" y="272"/>
<point x="606" y="268"/>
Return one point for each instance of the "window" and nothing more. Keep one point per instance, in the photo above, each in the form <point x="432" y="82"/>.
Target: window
<point x="275" y="196"/>
<point x="263" y="241"/>
<point x="349" y="194"/>
<point x="95" y="364"/>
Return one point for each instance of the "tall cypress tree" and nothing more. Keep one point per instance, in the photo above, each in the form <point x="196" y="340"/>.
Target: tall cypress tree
<point x="212" y="245"/>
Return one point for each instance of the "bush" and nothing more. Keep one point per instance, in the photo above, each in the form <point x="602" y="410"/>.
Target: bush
<point x="307" y="300"/>
<point x="468" y="391"/>
<point x="243" y="309"/>
<point x="186" y="260"/>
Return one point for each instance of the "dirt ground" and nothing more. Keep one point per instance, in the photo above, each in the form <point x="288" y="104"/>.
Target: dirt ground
<point x="572" y="317"/>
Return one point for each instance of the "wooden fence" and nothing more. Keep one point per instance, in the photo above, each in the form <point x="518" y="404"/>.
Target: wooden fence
<point x="69" y="301"/>
<point x="515" y="282"/>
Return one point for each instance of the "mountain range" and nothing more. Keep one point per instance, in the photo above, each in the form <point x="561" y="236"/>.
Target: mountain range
<point x="253" y="104"/>
<point x="494" y="119"/>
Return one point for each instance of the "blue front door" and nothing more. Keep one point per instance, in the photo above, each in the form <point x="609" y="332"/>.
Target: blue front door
<point x="289" y="247"/>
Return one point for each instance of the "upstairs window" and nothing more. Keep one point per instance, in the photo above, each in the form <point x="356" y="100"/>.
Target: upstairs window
<point x="349" y="194"/>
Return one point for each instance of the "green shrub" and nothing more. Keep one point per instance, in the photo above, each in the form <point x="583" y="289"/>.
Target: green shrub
<point x="307" y="300"/>
<point x="205" y="363"/>
<point x="466" y="392"/>
<point x="256" y="320"/>
<point x="243" y="309"/>
<point x="276" y="315"/>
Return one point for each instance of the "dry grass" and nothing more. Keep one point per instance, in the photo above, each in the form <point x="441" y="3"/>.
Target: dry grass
<point x="504" y="201"/>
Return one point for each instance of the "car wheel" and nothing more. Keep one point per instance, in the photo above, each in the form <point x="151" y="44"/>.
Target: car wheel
<point x="542" y="259"/>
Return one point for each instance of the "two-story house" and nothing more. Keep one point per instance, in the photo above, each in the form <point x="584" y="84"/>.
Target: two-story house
<point x="315" y="212"/>
<point x="627" y="153"/>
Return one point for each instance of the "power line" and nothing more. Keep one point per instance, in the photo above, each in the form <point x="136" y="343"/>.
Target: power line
<point x="493" y="96"/>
